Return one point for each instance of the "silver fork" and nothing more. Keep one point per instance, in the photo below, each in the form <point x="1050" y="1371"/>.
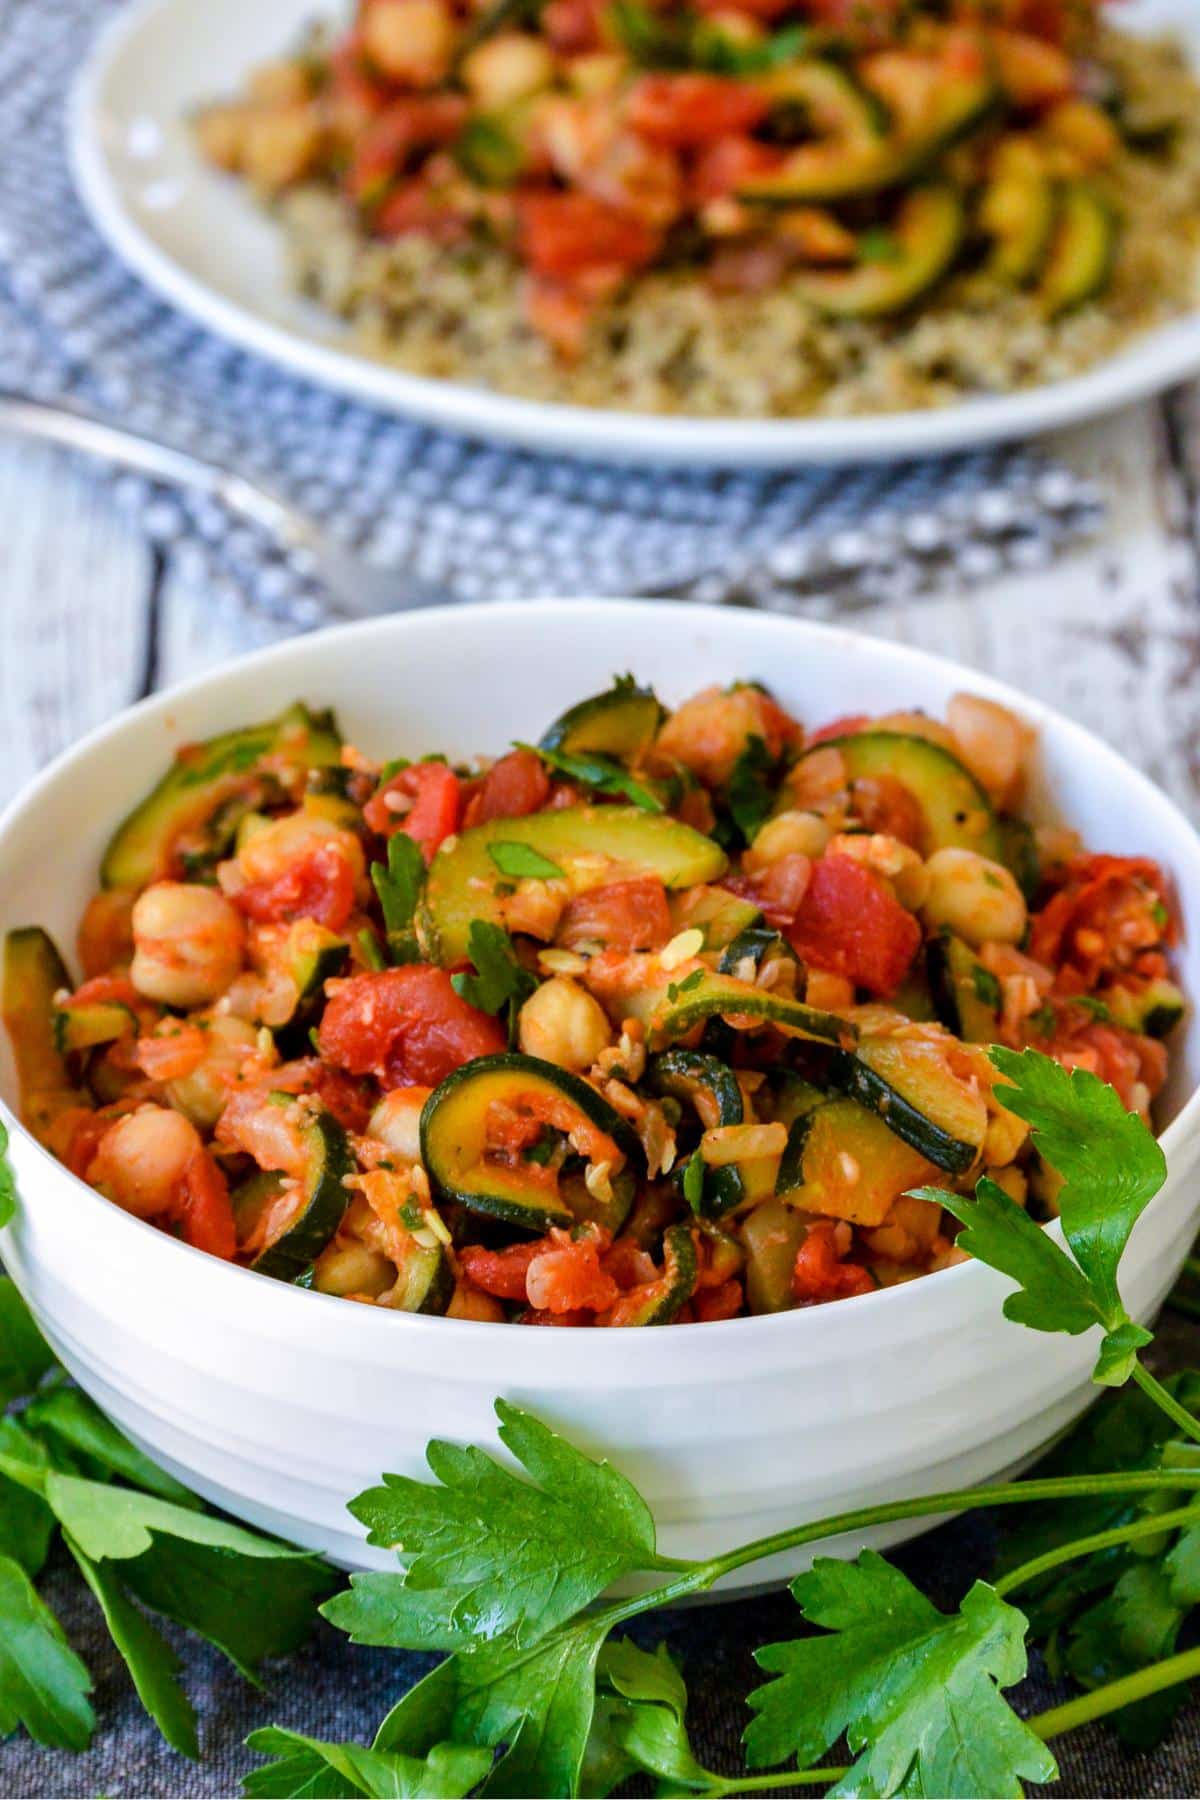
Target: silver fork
<point x="356" y="588"/>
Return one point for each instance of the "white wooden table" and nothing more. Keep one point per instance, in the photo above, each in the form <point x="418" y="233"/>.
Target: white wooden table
<point x="92" y="619"/>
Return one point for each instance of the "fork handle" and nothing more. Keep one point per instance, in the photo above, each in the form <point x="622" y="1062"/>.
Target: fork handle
<point x="77" y="430"/>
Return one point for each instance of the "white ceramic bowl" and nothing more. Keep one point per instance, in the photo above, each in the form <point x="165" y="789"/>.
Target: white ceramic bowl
<point x="280" y="1404"/>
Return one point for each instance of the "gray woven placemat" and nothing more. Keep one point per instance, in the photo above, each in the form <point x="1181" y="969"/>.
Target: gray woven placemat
<point x="484" y="522"/>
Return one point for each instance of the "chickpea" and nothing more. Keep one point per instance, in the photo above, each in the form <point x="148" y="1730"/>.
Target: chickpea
<point x="350" y="1268"/>
<point x="188" y="943"/>
<point x="279" y="147"/>
<point x="396" y="1121"/>
<point x="283" y="83"/>
<point x="596" y="72"/>
<point x="507" y="68"/>
<point x="269" y="852"/>
<point x="975" y="897"/>
<point x="563" y="1024"/>
<point x="201" y="1095"/>
<point x="993" y="743"/>
<point x="141" y="1160"/>
<point x="788" y="834"/>
<point x="473" y="1303"/>
<point x="221" y="133"/>
<point x="409" y="40"/>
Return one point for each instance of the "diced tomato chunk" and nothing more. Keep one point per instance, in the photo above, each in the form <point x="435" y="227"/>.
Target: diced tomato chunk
<point x="533" y="1317"/>
<point x="723" y="166"/>
<point x="849" y="924"/>
<point x="1108" y="911"/>
<point x="435" y="793"/>
<point x="500" y="1272"/>
<point x="414" y="210"/>
<point x="565" y="234"/>
<point x="407" y="1026"/>
<point x="203" y="1210"/>
<point x="319" y="885"/>
<point x="846" y="726"/>
<point x="513" y="788"/>
<point x="568" y="1276"/>
<point x="724" y="1302"/>
<point x="819" y="1275"/>
<point x="107" y="987"/>
<point x="680" y="111"/>
<point x="625" y="915"/>
<point x="416" y="122"/>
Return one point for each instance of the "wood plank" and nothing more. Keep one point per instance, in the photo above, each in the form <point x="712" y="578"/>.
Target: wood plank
<point x="75" y="575"/>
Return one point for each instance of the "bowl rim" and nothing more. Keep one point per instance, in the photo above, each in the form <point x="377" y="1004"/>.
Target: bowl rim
<point x="458" y="1333"/>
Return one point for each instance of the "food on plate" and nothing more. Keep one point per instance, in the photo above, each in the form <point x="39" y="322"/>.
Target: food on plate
<point x="657" y="1020"/>
<point x="774" y="208"/>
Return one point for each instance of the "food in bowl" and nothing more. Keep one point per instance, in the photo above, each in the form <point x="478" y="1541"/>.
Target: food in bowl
<point x="658" y="1021"/>
<point x="776" y="209"/>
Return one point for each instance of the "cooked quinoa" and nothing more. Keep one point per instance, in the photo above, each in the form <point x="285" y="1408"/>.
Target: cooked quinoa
<point x="669" y="340"/>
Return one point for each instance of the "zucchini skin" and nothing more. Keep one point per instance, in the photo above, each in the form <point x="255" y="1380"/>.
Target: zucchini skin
<point x="84" y="1027"/>
<point x="199" y="781"/>
<point x="719" y="995"/>
<point x="326" y="1198"/>
<point x="930" y="229"/>
<point x="955" y="974"/>
<point x="680" y="1073"/>
<point x="447" y="1125"/>
<point x="958" y="814"/>
<point x="462" y="883"/>
<point x="33" y="973"/>
<point x="675" y="1286"/>
<point x="620" y="723"/>
<point x="1082" y="252"/>
<point x="845" y="1072"/>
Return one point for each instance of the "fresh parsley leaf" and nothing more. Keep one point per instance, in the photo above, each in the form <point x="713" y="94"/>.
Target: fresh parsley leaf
<point x="1137" y="1624"/>
<point x="715" y="50"/>
<point x="750" y="793"/>
<point x="117" y="1522"/>
<point x="987" y="987"/>
<point x="917" y="1691"/>
<point x="522" y="862"/>
<point x="497" y="1553"/>
<point x="26" y="1523"/>
<point x="1111" y="1163"/>
<point x="1119" y="1352"/>
<point x="499" y="978"/>
<point x="1054" y="1294"/>
<point x="75" y="1422"/>
<point x="368" y="944"/>
<point x="8" y="1185"/>
<point x="152" y="1663"/>
<point x="43" y="1684"/>
<point x="601" y="773"/>
<point x="878" y="245"/>
<point x="638" y="1725"/>
<point x="399" y="889"/>
<point x="536" y="1701"/>
<point x="249" y="1607"/>
<point x="308" y="1766"/>
<point x="25" y="1356"/>
<point x="1098" y="1009"/>
<point x="675" y="988"/>
<point x="692" y="1183"/>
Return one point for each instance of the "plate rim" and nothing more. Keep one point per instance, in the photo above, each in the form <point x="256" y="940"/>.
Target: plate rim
<point x="1152" y="363"/>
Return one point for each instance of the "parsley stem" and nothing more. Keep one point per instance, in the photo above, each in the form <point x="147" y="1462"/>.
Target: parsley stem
<point x="698" y="1577"/>
<point x="1167" y="1401"/>
<point x="1115" y="1694"/>
<point x="762" y="1784"/>
<point x="1099" y="1540"/>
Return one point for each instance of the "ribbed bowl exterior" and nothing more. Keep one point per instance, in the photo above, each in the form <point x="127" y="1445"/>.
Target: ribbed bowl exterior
<point x="280" y="1404"/>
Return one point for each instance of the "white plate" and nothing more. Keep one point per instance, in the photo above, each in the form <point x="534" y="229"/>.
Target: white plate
<point x="202" y="243"/>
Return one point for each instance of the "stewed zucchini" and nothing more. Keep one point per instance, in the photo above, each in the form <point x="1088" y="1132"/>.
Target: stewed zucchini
<point x="1080" y="259"/>
<point x="710" y="1087"/>
<point x="620" y="723"/>
<point x="660" y="1301"/>
<point x="966" y="995"/>
<point x="845" y="1162"/>
<point x="586" y="846"/>
<point x="955" y="811"/>
<point x="34" y="973"/>
<point x="480" y="1125"/>
<point x="924" y="239"/>
<point x="703" y="996"/>
<point x="905" y="1081"/>
<point x="205" y="785"/>
<point x="1154" y="1009"/>
<point x="771" y="1235"/>
<point x="94" y="1022"/>
<point x="321" y="1202"/>
<point x="1017" y="212"/>
<point x="720" y="915"/>
<point x="313" y="955"/>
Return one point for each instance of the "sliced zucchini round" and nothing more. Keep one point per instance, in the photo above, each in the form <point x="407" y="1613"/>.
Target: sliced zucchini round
<point x="454" y="1137"/>
<point x="909" y="1087"/>
<point x="251" y="1198"/>
<point x="1079" y="263"/>
<point x="312" y="955"/>
<point x="710" y="1087"/>
<point x="720" y="915"/>
<point x="322" y="1204"/>
<point x="621" y="723"/>
<point x="692" y="1000"/>
<point x="771" y="1236"/>
<point x="752" y="946"/>
<point x="203" y="779"/>
<point x="94" y="1022"/>
<point x="926" y="236"/>
<point x="1017" y="212"/>
<point x="846" y="1163"/>
<point x="34" y="973"/>
<point x="957" y="813"/>
<point x="1153" y="1010"/>
<point x="425" y="1279"/>
<point x="966" y="995"/>
<point x="660" y="1301"/>
<point x="589" y="845"/>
